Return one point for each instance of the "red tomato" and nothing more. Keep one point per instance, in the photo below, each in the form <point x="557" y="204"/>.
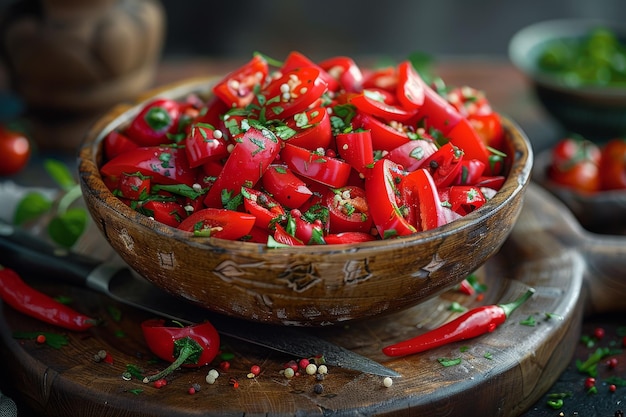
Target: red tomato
<point x="382" y="189"/>
<point x="221" y="223"/>
<point x="15" y="151"/>
<point x="246" y="164"/>
<point x="292" y="93"/>
<point x="289" y="190"/>
<point x="323" y="169"/>
<point x="410" y="86"/>
<point x="575" y="164"/>
<point x="156" y="120"/>
<point x="347" y="210"/>
<point x="237" y="88"/>
<point x="613" y="165"/>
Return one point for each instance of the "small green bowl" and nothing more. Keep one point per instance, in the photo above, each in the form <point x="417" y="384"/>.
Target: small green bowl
<point x="596" y="112"/>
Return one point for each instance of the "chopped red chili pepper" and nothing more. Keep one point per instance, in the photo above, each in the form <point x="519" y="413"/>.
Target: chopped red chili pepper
<point x="25" y="299"/>
<point x="471" y="324"/>
<point x="188" y="346"/>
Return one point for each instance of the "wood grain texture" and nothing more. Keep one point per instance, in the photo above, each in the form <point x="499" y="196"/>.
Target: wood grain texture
<point x="574" y="273"/>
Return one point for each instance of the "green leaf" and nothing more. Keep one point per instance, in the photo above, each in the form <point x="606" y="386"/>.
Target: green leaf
<point x="66" y="228"/>
<point x="60" y="174"/>
<point x="449" y="361"/>
<point x="30" y="207"/>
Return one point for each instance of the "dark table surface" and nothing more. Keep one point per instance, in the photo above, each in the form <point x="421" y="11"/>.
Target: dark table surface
<point x="510" y="94"/>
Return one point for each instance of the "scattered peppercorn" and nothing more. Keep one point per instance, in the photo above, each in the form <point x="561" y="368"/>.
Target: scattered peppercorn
<point x="224" y="365"/>
<point x="318" y="388"/>
<point x="598" y="333"/>
<point x="387" y="382"/>
<point x="160" y="383"/>
<point x="612" y="388"/>
<point x="41" y="339"/>
<point x="611" y="363"/>
<point x="233" y="381"/>
<point x="590" y="382"/>
<point x="289" y="373"/>
<point x="255" y="370"/>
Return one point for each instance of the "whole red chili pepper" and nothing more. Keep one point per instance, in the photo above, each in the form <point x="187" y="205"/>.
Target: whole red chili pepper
<point x="155" y="122"/>
<point x="187" y="346"/>
<point x="471" y="324"/>
<point x="25" y="299"/>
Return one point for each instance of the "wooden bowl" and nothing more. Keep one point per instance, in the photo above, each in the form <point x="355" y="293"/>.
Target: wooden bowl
<point x="598" y="112"/>
<point x="303" y="286"/>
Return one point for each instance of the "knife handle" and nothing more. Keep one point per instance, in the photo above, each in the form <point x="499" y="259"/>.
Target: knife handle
<point x="29" y="255"/>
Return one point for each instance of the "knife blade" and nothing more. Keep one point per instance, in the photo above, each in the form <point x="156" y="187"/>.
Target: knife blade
<point x="24" y="252"/>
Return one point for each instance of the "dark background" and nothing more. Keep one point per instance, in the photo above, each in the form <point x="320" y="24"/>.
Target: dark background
<point x="322" y="28"/>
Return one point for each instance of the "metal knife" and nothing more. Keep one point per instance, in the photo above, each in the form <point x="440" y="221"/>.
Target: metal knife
<point x="24" y="252"/>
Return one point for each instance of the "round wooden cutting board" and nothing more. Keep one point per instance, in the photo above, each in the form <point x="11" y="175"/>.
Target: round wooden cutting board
<point x="500" y="374"/>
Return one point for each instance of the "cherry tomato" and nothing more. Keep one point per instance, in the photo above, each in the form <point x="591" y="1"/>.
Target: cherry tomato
<point x="613" y="165"/>
<point x="575" y="164"/>
<point x="382" y="189"/>
<point x="15" y="151"/>
<point x="347" y="210"/>
<point x="220" y="223"/>
<point x="237" y="88"/>
<point x="246" y="164"/>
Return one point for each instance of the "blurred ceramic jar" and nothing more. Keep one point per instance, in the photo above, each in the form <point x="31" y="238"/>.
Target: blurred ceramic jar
<point x="69" y="60"/>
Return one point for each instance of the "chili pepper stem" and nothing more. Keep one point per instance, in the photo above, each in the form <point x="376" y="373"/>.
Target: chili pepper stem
<point x="185" y="353"/>
<point x="512" y="306"/>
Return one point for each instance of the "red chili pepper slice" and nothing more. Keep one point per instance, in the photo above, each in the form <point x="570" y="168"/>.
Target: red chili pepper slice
<point x="250" y="158"/>
<point x="165" y="165"/>
<point x="294" y="92"/>
<point x="348" y="237"/>
<point x="297" y="60"/>
<point x="422" y="200"/>
<point x="188" y="346"/>
<point x="348" y="210"/>
<point x="445" y="164"/>
<point x="237" y="88"/>
<point x="321" y="168"/>
<point x="346" y="71"/>
<point x="312" y="127"/>
<point x="356" y="149"/>
<point x="465" y="137"/>
<point x="373" y="103"/>
<point x="263" y="207"/>
<point x="384" y="136"/>
<point x="220" y="223"/>
<point x="25" y="299"/>
<point x="203" y="143"/>
<point x="382" y="188"/>
<point x="170" y="213"/>
<point x="410" y="90"/>
<point x="286" y="188"/>
<point x="412" y="154"/>
<point x="472" y="323"/>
